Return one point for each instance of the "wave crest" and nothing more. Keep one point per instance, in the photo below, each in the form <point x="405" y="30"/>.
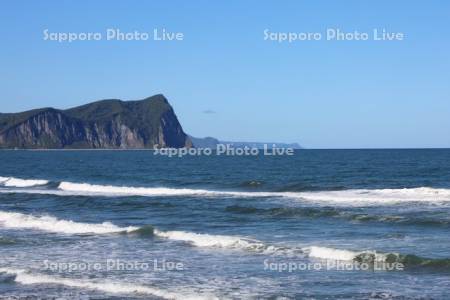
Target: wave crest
<point x="409" y="261"/>
<point x="223" y="241"/>
<point x="52" y="224"/>
<point x="127" y="190"/>
<point x="24" y="277"/>
<point x="380" y="196"/>
<point x="17" y="182"/>
<point x="352" y="197"/>
<point x="355" y="196"/>
<point x="344" y="255"/>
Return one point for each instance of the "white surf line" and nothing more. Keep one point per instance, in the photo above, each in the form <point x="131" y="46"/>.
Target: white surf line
<point x="328" y="253"/>
<point x="352" y="197"/>
<point x="150" y="191"/>
<point x="52" y="224"/>
<point x="377" y="196"/>
<point x="380" y="196"/>
<point x="26" y="278"/>
<point x="17" y="182"/>
<point x="225" y="241"/>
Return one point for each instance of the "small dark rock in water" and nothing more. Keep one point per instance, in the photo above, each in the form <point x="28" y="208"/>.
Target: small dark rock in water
<point x="252" y="183"/>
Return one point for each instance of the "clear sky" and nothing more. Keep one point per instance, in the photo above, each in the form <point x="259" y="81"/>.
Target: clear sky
<point x="225" y="80"/>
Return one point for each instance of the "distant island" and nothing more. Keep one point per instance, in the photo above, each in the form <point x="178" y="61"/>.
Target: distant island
<point x="105" y="124"/>
<point x="210" y="142"/>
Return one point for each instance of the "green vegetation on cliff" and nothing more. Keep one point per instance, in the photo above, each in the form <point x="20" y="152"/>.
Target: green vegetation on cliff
<point x="102" y="124"/>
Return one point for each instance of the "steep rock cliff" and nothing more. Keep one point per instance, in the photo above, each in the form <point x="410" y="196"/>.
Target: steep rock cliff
<point x="106" y="124"/>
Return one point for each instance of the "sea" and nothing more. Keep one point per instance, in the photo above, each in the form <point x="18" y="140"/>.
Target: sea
<point x="319" y="224"/>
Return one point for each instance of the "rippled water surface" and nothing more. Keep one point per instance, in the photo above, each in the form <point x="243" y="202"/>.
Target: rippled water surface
<point x="132" y="225"/>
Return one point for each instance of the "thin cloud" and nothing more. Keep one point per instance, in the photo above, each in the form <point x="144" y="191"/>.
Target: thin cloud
<point x="209" y="111"/>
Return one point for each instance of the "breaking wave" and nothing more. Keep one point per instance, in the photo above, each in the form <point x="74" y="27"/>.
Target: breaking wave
<point x="225" y="241"/>
<point x="126" y="190"/>
<point x="344" y="197"/>
<point x="409" y="261"/>
<point x="17" y="182"/>
<point x="24" y="277"/>
<point x="380" y="196"/>
<point x="345" y="255"/>
<point x="52" y="224"/>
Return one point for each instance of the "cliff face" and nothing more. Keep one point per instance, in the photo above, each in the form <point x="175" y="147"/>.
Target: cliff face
<point x="107" y="124"/>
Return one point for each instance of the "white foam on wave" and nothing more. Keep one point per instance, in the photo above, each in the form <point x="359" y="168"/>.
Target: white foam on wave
<point x="327" y="253"/>
<point x="127" y="190"/>
<point x="380" y="196"/>
<point x="24" y="277"/>
<point x="92" y="189"/>
<point x="52" y="224"/>
<point x="345" y="197"/>
<point x="354" y="196"/>
<point x="221" y="241"/>
<point x="17" y="182"/>
<point x="122" y="191"/>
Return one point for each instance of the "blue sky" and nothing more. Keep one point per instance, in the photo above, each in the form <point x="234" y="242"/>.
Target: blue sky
<point x="224" y="80"/>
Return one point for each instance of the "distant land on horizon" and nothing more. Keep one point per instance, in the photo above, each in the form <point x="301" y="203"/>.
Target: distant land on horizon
<point x="105" y="124"/>
<point x="210" y="142"/>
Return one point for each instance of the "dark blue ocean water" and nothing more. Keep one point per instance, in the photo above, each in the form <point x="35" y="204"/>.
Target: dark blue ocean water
<point x="232" y="223"/>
